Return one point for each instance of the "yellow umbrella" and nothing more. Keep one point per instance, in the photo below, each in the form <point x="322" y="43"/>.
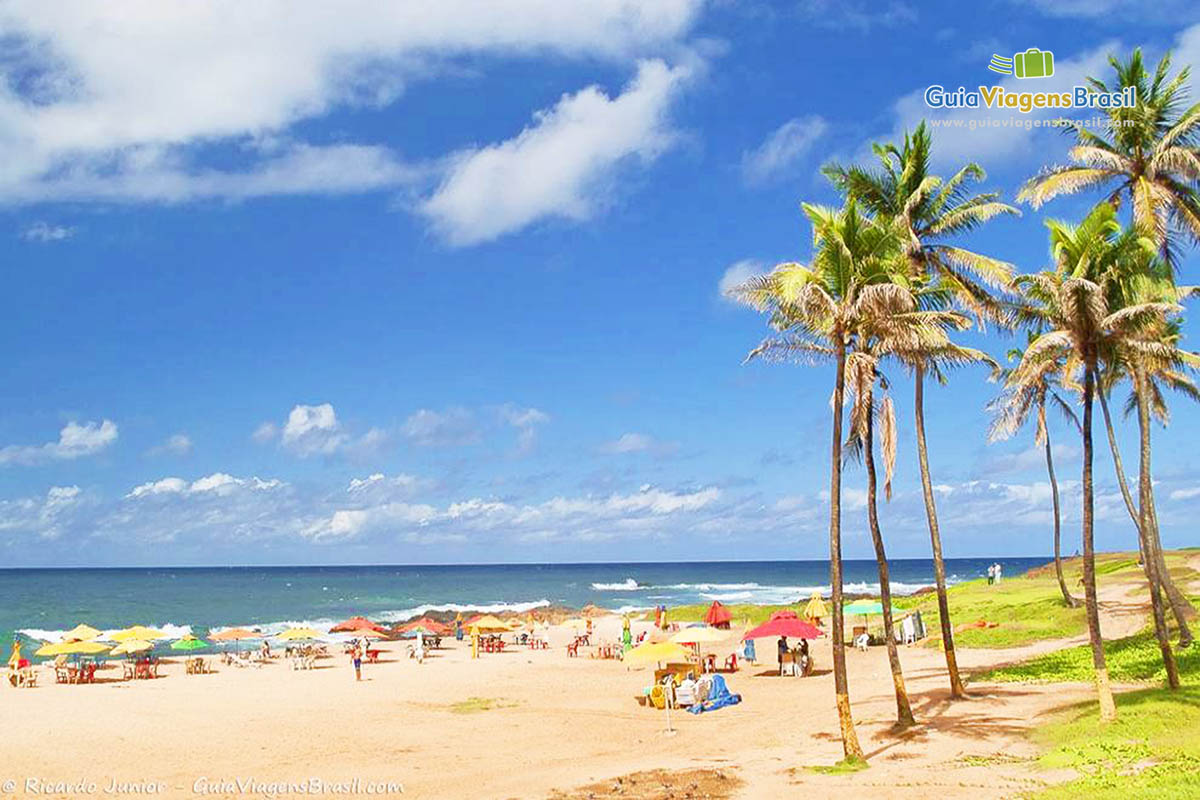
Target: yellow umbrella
<point x="139" y="632"/>
<point x="653" y="652"/>
<point x="816" y="607"/>
<point x="72" y="648"/>
<point x="81" y="633"/>
<point x="131" y="646"/>
<point x="491" y="624"/>
<point x="298" y="633"/>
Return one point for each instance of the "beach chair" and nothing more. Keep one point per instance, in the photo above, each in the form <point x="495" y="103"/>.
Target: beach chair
<point x="862" y="641"/>
<point x="27" y="678"/>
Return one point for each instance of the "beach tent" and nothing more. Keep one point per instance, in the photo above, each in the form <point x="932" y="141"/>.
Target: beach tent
<point x="81" y="633"/>
<point x="816" y="610"/>
<point x="140" y="633"/>
<point x="129" y="646"/>
<point x="357" y="625"/>
<point x="718" y="615"/>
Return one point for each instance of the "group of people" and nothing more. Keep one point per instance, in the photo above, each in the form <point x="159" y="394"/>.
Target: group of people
<point x="993" y="573"/>
<point x="798" y="657"/>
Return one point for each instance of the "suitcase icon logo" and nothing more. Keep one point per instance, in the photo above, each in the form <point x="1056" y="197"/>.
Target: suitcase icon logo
<point x="1033" y="63"/>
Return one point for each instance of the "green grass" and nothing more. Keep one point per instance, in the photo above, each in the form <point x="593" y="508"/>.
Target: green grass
<point x="843" y="767"/>
<point x="1151" y="751"/>
<point x="474" y="705"/>
<point x="1134" y="658"/>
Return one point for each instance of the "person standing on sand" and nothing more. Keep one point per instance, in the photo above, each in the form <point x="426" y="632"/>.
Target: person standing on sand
<point x="783" y="651"/>
<point x="999" y="569"/>
<point x="748" y="651"/>
<point x="356" y="657"/>
<point x="991" y="573"/>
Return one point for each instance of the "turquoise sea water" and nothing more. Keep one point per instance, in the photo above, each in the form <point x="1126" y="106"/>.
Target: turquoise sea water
<point x="43" y="602"/>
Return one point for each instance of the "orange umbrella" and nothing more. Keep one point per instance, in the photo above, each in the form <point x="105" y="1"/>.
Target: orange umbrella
<point x="234" y="634"/>
<point x="356" y="625"/>
<point x="428" y="624"/>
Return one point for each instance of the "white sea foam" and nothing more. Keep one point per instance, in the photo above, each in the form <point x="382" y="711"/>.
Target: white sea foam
<point x="171" y="631"/>
<point x="483" y="608"/>
<point x="627" y="585"/>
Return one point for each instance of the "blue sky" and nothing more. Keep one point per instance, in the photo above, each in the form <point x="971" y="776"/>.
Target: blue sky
<point x="420" y="284"/>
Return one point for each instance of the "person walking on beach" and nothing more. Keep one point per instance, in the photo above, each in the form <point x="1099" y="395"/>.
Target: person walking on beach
<point x="999" y="569"/>
<point x="356" y="658"/>
<point x="991" y="573"/>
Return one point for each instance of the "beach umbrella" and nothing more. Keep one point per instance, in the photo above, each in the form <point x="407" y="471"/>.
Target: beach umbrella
<point x="292" y="634"/>
<point x="816" y="607"/>
<point x="189" y="643"/>
<point x="426" y="625"/>
<point x="699" y="636"/>
<point x="139" y="633"/>
<point x="654" y="652"/>
<point x="718" y="615"/>
<point x="81" y="633"/>
<point x="357" y="625"/>
<point x="130" y="646"/>
<point x="71" y="648"/>
<point x="491" y="624"/>
<point x="784" y="624"/>
<point x="234" y="635"/>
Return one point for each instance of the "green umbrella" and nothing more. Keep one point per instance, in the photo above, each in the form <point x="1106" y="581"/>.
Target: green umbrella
<point x="189" y="643"/>
<point x="868" y="608"/>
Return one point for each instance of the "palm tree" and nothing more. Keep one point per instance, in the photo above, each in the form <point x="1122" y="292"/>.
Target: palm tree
<point x="1012" y="410"/>
<point x="929" y="210"/>
<point x="850" y="289"/>
<point x="1071" y="304"/>
<point x="1147" y="156"/>
<point x="863" y="375"/>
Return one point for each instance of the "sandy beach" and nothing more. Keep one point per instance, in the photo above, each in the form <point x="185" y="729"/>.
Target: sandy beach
<point x="555" y="723"/>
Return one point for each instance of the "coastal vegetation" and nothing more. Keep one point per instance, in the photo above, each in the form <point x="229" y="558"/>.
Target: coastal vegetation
<point x="890" y="280"/>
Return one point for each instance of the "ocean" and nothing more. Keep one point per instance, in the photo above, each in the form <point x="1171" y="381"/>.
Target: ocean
<point x="41" y="603"/>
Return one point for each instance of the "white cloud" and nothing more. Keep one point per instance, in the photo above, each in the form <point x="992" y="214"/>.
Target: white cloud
<point x="311" y="430"/>
<point x="265" y="432"/>
<point x="857" y="15"/>
<point x="1186" y="494"/>
<point x="74" y="441"/>
<point x="119" y="101"/>
<point x="638" y="443"/>
<point x="179" y="444"/>
<point x="562" y="165"/>
<point x="526" y="421"/>
<point x="738" y="273"/>
<point x="781" y="152"/>
<point x="45" y="232"/>
<point x="46" y="517"/>
<point x="452" y="427"/>
<point x="554" y="518"/>
<point x="218" y="483"/>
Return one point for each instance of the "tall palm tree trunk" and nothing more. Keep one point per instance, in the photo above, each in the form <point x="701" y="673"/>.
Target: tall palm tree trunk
<point x="957" y="690"/>
<point x="1149" y="544"/>
<point x="850" y="746"/>
<point x="904" y="715"/>
<point x="1146" y="501"/>
<point x="1071" y="602"/>
<point x="1108" y="708"/>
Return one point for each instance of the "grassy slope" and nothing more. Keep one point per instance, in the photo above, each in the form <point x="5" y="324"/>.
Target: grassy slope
<point x="1152" y="751"/>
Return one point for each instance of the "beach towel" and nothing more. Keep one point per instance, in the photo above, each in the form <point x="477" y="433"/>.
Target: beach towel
<point x="719" y="696"/>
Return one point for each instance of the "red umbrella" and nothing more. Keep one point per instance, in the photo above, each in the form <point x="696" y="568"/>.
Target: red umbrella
<point x="784" y="623"/>
<point x="718" y="615"/>
<point x="355" y="624"/>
